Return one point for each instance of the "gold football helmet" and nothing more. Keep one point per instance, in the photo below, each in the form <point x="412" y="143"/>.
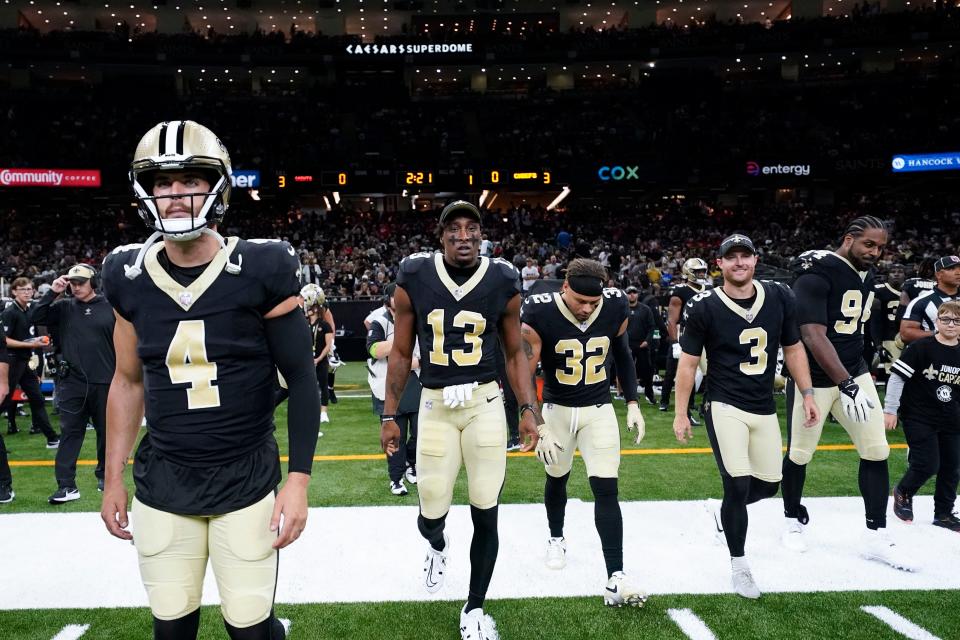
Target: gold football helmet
<point x="312" y="296"/>
<point x="178" y="145"/>
<point x="695" y="270"/>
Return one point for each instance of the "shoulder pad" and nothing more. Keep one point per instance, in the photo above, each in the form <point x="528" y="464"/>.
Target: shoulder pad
<point x="415" y="261"/>
<point x="613" y="292"/>
<point x="538" y="298"/>
<point x="808" y="260"/>
<point x="703" y="295"/>
<point x="506" y="268"/>
<point x="270" y="255"/>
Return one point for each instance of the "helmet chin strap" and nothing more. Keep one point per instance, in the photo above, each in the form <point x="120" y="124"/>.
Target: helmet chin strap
<point x="135" y="270"/>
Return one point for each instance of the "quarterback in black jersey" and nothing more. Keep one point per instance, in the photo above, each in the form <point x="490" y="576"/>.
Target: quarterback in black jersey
<point x="696" y="281"/>
<point x="834" y="299"/>
<point x="456" y="304"/>
<point x="741" y="326"/>
<point x="573" y="333"/>
<point x="202" y="325"/>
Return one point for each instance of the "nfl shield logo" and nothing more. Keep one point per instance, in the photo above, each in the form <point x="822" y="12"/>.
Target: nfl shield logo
<point x="186" y="298"/>
<point x="428" y="405"/>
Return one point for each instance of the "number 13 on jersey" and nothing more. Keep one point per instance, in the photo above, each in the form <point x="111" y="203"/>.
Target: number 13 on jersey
<point x="462" y="357"/>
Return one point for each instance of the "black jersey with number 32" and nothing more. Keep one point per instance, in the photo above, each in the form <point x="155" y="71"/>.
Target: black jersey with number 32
<point x="574" y="354"/>
<point x="457" y="323"/>
<point x="208" y="372"/>
<point x="831" y="292"/>
<point x="741" y="343"/>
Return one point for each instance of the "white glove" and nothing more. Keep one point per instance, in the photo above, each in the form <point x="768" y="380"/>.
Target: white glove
<point x="856" y="405"/>
<point x="457" y="395"/>
<point x="676" y="350"/>
<point x="635" y="421"/>
<point x="548" y="449"/>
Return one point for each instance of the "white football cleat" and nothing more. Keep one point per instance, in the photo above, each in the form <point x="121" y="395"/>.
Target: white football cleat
<point x="793" y="537"/>
<point x="435" y="566"/>
<point x="712" y="505"/>
<point x="875" y="544"/>
<point x="556" y="553"/>
<point x="397" y="488"/>
<point x="744" y="584"/>
<point x="324" y="417"/>
<point x="411" y="475"/>
<point x="620" y="591"/>
<point x="477" y="625"/>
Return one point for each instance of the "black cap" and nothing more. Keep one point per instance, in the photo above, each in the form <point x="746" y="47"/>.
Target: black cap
<point x="737" y="240"/>
<point x="632" y="289"/>
<point x="946" y="262"/>
<point x="459" y="208"/>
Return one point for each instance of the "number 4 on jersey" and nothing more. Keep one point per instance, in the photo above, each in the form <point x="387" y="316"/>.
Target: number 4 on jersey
<point x="188" y="364"/>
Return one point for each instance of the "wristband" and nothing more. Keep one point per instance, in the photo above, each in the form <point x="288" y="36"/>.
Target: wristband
<point x="807" y="392"/>
<point x="528" y="407"/>
<point x="388" y="417"/>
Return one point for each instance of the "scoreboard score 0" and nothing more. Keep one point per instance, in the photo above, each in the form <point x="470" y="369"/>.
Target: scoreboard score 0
<point x="416" y="178"/>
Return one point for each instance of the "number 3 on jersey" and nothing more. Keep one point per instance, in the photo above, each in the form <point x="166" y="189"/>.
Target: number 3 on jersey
<point x="462" y="357"/>
<point x="187" y="363"/>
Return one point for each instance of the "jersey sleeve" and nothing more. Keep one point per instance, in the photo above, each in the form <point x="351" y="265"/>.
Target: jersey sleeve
<point x="694" y="336"/>
<point x="409" y="266"/>
<point x="811" y="293"/>
<point x="281" y="269"/>
<point x="511" y="277"/>
<point x="909" y="360"/>
<point x="790" y="331"/>
<point x="114" y="283"/>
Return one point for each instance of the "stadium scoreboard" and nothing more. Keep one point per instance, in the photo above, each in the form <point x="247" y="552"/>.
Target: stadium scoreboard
<point x="418" y="178"/>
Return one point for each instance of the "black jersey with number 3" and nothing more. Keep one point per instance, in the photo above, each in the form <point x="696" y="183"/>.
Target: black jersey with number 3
<point x="889" y="309"/>
<point x="208" y="373"/>
<point x="575" y="354"/>
<point x="831" y="292"/>
<point x="457" y="323"/>
<point x="686" y="291"/>
<point x="741" y="343"/>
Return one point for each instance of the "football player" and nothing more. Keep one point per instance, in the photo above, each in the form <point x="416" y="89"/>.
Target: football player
<point x="6" y="479"/>
<point x="696" y="280"/>
<point x="884" y="319"/>
<point x="457" y="303"/>
<point x="923" y="281"/>
<point x="202" y="325"/>
<point x="919" y="318"/>
<point x="741" y="325"/>
<point x="573" y="333"/>
<point x="315" y="306"/>
<point x="834" y="293"/>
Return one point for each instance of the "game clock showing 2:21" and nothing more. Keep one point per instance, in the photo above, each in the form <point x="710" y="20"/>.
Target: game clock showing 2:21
<point x="464" y="179"/>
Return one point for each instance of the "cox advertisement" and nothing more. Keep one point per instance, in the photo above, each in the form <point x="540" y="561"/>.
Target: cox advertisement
<point x="49" y="177"/>
<point x="926" y="162"/>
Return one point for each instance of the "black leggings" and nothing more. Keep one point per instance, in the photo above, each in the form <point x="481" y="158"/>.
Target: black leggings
<point x="932" y="452"/>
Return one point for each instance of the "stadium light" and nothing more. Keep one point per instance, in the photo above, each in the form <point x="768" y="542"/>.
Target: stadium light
<point x="563" y="194"/>
<point x="255" y="194"/>
<point x="483" y="196"/>
<point x="336" y="197"/>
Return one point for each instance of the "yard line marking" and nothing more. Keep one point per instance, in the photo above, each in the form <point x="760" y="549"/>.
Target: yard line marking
<point x="692" y="626"/>
<point x="899" y="624"/>
<point x="514" y="454"/>
<point x="71" y="632"/>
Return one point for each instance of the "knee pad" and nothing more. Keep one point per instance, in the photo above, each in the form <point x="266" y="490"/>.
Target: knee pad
<point x="247" y="610"/>
<point x="876" y="452"/>
<point x="799" y="456"/>
<point x="170" y="602"/>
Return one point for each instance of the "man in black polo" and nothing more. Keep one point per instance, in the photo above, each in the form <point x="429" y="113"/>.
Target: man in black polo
<point x="84" y="326"/>
<point x="919" y="319"/>
<point x="641" y="324"/>
<point x="21" y="341"/>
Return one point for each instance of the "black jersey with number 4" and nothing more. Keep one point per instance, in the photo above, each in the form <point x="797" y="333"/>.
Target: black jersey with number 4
<point x="831" y="292"/>
<point x="575" y="354"/>
<point x="741" y="342"/>
<point x="931" y="390"/>
<point x="457" y="323"/>
<point x="208" y="373"/>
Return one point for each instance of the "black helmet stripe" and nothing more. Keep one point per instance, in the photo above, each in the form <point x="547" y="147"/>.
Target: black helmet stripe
<point x="180" y="129"/>
<point x="163" y="139"/>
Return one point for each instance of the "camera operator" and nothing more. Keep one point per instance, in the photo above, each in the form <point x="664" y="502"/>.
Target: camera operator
<point x="84" y="324"/>
<point x="21" y="341"/>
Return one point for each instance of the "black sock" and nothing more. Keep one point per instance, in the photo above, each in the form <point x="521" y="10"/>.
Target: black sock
<point x="555" y="500"/>
<point x="183" y="628"/>
<point x="432" y="530"/>
<point x="791" y="486"/>
<point x="483" y="554"/>
<point x="609" y="521"/>
<point x="760" y="489"/>
<point x="266" y="630"/>
<point x="733" y="512"/>
<point x="874" y="487"/>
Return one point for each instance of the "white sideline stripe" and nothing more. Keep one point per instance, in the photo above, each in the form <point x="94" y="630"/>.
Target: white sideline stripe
<point x="668" y="549"/>
<point x="71" y="632"/>
<point x="692" y="626"/>
<point x="899" y="624"/>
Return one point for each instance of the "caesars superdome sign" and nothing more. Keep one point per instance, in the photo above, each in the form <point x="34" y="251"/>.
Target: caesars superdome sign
<point x="407" y="49"/>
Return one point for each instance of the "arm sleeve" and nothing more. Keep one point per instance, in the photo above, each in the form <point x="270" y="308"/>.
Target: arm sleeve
<point x="46" y="310"/>
<point x="694" y="336"/>
<point x="625" y="367"/>
<point x="790" y="332"/>
<point x="289" y="340"/>
<point x="891" y="401"/>
<point x="375" y="335"/>
<point x="811" y="292"/>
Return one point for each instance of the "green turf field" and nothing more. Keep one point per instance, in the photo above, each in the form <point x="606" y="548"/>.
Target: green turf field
<point x="661" y="472"/>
